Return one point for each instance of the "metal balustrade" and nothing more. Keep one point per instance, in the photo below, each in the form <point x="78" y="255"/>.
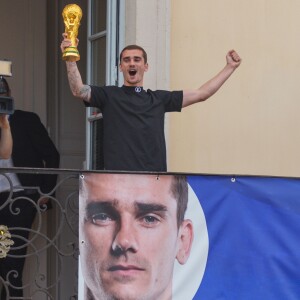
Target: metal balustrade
<point x="51" y="259"/>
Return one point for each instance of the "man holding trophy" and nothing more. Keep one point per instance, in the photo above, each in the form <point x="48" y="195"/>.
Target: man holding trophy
<point x="133" y="118"/>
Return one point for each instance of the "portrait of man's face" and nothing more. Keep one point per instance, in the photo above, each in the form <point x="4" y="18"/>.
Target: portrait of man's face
<point x="130" y="236"/>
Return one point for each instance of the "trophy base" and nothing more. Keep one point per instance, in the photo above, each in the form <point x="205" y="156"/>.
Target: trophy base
<point x="71" y="54"/>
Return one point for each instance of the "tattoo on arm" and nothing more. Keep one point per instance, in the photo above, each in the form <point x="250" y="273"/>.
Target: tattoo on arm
<point x="77" y="87"/>
<point x="85" y="92"/>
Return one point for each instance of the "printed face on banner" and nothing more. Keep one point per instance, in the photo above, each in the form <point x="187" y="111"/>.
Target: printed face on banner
<point x="130" y="235"/>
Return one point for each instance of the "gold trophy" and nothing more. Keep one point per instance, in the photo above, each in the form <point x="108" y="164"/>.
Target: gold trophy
<point x="72" y="14"/>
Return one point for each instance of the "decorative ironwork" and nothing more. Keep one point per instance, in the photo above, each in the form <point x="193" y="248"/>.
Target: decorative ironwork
<point x="49" y="247"/>
<point x="5" y="241"/>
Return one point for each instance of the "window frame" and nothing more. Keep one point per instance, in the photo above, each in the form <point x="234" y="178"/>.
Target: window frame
<point x="114" y="35"/>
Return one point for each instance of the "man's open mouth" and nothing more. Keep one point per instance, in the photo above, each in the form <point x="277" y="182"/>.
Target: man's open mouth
<point x="132" y="72"/>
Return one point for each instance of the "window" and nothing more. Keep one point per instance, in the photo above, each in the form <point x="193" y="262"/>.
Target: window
<point x="104" y="37"/>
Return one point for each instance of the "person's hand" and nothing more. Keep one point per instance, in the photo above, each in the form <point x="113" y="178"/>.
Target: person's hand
<point x="4" y="124"/>
<point x="66" y="42"/>
<point x="233" y="59"/>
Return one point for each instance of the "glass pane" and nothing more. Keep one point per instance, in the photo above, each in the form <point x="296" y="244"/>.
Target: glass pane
<point x="98" y="16"/>
<point x="98" y="61"/>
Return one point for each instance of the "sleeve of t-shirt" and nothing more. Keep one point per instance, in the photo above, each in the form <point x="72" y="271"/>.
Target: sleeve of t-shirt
<point x="98" y="97"/>
<point x="172" y="100"/>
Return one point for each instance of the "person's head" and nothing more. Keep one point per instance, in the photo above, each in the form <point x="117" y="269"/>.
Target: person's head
<point x="132" y="229"/>
<point x="4" y="87"/>
<point x="133" y="65"/>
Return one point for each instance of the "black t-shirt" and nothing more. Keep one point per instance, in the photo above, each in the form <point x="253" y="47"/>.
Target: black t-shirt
<point x="133" y="122"/>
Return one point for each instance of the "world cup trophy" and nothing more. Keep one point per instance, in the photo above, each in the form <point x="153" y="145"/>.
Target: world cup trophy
<point x="72" y="14"/>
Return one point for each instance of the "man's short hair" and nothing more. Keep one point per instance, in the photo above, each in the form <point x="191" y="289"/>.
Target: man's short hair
<point x="134" y="47"/>
<point x="179" y="190"/>
<point x="4" y="87"/>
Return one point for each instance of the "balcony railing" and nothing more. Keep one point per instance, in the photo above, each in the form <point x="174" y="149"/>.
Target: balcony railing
<point x="50" y="244"/>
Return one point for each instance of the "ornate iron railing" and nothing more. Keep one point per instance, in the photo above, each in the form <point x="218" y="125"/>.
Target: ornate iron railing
<point x="51" y="243"/>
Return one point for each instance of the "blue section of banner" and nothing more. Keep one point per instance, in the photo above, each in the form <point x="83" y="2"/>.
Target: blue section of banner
<point x="254" y="237"/>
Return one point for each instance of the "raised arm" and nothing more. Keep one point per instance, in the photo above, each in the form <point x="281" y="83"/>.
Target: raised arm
<point x="212" y="86"/>
<point x="6" y="138"/>
<point x="78" y="89"/>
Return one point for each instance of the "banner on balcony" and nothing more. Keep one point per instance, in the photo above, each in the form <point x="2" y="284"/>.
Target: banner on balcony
<point x="239" y="237"/>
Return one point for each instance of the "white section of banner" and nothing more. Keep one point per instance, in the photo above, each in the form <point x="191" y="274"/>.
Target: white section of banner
<point x="80" y="282"/>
